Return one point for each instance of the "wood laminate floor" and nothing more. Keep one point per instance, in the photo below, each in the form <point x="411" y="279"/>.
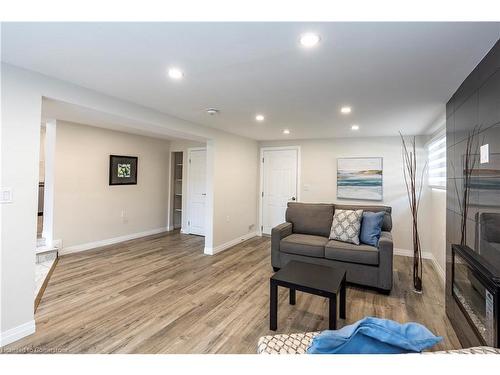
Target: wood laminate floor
<point x="160" y="294"/>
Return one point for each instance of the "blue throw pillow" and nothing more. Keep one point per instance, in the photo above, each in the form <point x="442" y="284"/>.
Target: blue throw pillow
<point x="374" y="336"/>
<point x="371" y="227"/>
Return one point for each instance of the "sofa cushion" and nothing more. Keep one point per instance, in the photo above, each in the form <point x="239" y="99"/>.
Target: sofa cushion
<point x="304" y="244"/>
<point x="371" y="227"/>
<point x="386" y="224"/>
<point x="310" y="218"/>
<point x="293" y="343"/>
<point x="346" y="225"/>
<point x="346" y="252"/>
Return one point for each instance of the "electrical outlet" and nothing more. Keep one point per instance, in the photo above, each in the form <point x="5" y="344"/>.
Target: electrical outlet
<point x="227" y="219"/>
<point x="123" y="215"/>
<point x="5" y="195"/>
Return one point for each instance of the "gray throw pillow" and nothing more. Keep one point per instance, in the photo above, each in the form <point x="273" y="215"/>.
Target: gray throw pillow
<point x="346" y="226"/>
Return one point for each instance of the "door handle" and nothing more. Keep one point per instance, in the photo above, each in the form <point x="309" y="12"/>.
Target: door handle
<point x="293" y="199"/>
<point x="203" y="193"/>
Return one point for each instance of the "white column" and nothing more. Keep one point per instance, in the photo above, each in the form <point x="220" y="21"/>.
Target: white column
<point x="209" y="203"/>
<point x="48" y="198"/>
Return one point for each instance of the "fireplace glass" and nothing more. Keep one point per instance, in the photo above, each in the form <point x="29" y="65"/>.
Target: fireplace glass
<point x="474" y="298"/>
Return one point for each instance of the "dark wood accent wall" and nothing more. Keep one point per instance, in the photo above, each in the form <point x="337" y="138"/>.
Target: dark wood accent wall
<point x="475" y="103"/>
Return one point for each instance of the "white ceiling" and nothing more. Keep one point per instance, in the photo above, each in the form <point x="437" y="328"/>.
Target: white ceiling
<point x="396" y="76"/>
<point x="55" y="109"/>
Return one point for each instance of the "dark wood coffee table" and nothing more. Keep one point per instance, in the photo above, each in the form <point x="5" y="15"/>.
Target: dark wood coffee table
<point x="309" y="278"/>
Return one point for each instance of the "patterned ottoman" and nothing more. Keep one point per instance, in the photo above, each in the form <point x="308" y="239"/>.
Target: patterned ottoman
<point x="473" y="350"/>
<point x="297" y="343"/>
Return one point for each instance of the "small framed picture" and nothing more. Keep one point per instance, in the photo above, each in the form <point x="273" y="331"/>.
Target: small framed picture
<point x="122" y="170"/>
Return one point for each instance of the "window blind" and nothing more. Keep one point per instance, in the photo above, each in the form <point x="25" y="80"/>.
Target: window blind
<point x="436" y="154"/>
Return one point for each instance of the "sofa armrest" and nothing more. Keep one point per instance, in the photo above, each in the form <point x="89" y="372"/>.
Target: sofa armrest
<point x="281" y="231"/>
<point x="277" y="234"/>
<point x="385" y="247"/>
<point x="385" y="241"/>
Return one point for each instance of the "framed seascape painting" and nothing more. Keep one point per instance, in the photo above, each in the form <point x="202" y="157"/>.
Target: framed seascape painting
<point x="359" y="178"/>
<point x="122" y="170"/>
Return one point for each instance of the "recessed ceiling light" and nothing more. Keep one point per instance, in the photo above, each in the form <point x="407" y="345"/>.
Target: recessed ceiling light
<point x="175" y="73"/>
<point x="212" y="111"/>
<point x="286" y="131"/>
<point x="345" y="110"/>
<point x="260" y="118"/>
<point x="309" y="40"/>
<point x="355" y="127"/>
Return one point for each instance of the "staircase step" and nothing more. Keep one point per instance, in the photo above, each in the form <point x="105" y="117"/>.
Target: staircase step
<point x="45" y="249"/>
<point x="46" y="256"/>
<point x="43" y="271"/>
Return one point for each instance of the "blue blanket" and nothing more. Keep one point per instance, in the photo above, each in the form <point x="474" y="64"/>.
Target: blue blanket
<point x="374" y="336"/>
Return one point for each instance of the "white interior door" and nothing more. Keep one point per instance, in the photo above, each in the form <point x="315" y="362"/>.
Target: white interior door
<point x="197" y="182"/>
<point x="279" y="185"/>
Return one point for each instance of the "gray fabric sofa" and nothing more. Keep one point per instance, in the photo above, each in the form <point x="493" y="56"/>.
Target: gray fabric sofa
<point x="304" y="237"/>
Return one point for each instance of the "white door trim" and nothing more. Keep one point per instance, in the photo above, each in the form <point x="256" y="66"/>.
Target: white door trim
<point x="170" y="205"/>
<point x="261" y="184"/>
<point x="49" y="180"/>
<point x="188" y="177"/>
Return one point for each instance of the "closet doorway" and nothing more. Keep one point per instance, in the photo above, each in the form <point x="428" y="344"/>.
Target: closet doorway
<point x="177" y="168"/>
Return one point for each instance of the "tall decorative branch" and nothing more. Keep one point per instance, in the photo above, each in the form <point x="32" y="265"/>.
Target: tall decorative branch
<point x="469" y="161"/>
<point x="414" y="191"/>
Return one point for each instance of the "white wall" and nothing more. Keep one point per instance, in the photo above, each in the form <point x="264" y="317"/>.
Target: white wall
<point x="22" y="91"/>
<point x="41" y="167"/>
<point x="319" y="178"/>
<point x="437" y="218"/>
<point x="20" y="143"/>
<point x="236" y="205"/>
<point x="86" y="208"/>
<point x="437" y="214"/>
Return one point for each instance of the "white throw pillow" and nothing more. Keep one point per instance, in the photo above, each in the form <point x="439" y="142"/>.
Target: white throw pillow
<point x="346" y="226"/>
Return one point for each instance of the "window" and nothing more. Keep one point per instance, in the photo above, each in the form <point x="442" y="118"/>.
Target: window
<point x="436" y="154"/>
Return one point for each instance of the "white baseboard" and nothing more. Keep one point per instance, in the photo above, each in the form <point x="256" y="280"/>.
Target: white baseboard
<point x="110" y="241"/>
<point x="425" y="255"/>
<point x="229" y="244"/>
<point x="409" y="253"/>
<point x="441" y="273"/>
<point x="17" y="333"/>
<point x="184" y="231"/>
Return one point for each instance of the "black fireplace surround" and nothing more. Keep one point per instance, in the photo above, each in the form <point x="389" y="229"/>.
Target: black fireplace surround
<point x="473" y="239"/>
<point x="476" y="291"/>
